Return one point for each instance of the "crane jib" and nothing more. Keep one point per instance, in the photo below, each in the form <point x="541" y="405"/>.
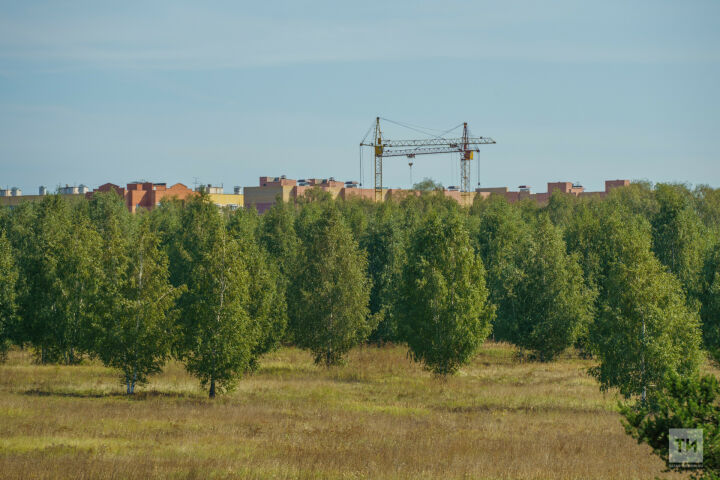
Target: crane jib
<point x="383" y="147"/>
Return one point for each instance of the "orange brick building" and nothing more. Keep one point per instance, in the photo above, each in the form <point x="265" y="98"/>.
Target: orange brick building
<point x="145" y="194"/>
<point x="264" y="196"/>
<point x="544" y="197"/>
<point x="269" y="189"/>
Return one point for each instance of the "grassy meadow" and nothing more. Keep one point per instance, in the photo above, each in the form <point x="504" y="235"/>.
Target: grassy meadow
<point x="379" y="416"/>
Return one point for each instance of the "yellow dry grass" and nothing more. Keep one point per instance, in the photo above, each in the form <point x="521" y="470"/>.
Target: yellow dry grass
<point x="379" y="416"/>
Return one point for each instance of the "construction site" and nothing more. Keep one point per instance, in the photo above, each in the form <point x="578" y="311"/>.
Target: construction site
<point x="464" y="148"/>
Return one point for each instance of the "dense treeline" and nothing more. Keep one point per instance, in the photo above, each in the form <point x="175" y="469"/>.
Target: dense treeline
<point x="633" y="280"/>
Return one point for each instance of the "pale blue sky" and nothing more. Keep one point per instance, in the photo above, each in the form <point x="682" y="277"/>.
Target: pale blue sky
<point x="93" y="91"/>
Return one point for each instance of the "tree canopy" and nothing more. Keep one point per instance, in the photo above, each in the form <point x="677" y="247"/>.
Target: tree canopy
<point x="444" y="314"/>
<point x="329" y="292"/>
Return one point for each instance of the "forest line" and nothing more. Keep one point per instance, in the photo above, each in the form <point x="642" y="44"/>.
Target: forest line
<point x="632" y="280"/>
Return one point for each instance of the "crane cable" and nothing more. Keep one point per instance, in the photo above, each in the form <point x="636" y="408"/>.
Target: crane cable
<point x="362" y="176"/>
<point x="367" y="133"/>
<point x="419" y="129"/>
<point x="415" y="128"/>
<point x="361" y="165"/>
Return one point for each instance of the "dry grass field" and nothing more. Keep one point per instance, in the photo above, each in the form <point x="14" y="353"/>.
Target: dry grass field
<point x="380" y="416"/>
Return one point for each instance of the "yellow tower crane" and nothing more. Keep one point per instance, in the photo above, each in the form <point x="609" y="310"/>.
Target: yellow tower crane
<point x="383" y="147"/>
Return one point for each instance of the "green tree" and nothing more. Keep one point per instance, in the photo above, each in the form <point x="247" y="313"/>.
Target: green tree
<point x="310" y="208"/>
<point x="277" y="235"/>
<point x="166" y="221"/>
<point x="243" y="224"/>
<point x="427" y="185"/>
<point x="707" y="201"/>
<point x="58" y="252"/>
<point x="77" y="283"/>
<point x="551" y="305"/>
<point x="638" y="198"/>
<point x="278" y="238"/>
<point x="529" y="209"/>
<point x="329" y="292"/>
<point x="682" y="402"/>
<point x="502" y="238"/>
<point x="355" y="211"/>
<point x="4" y="218"/>
<point x="114" y="223"/>
<point x="644" y="330"/>
<point x="679" y="237"/>
<point x="267" y="307"/>
<point x="710" y="301"/>
<point x="217" y="335"/>
<point x="21" y="230"/>
<point x="385" y="241"/>
<point x="8" y="281"/>
<point x="443" y="311"/>
<point x="135" y="333"/>
<point x="560" y="208"/>
<point x="583" y="237"/>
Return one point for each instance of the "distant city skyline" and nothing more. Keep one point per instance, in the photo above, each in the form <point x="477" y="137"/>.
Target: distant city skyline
<point x="226" y="92"/>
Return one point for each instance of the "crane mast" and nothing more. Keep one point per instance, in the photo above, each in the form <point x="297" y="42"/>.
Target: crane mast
<point x="464" y="145"/>
<point x="378" y="160"/>
<point x="465" y="158"/>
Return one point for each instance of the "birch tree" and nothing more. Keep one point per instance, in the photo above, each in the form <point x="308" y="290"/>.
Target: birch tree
<point x="60" y="275"/>
<point x="217" y="336"/>
<point x="8" y="281"/>
<point x="710" y="309"/>
<point x="644" y="330"/>
<point x="136" y="332"/>
<point x="385" y="240"/>
<point x="503" y="240"/>
<point x="278" y="237"/>
<point x="329" y="293"/>
<point x="551" y="305"/>
<point x="267" y="307"/>
<point x="443" y="312"/>
<point x="679" y="237"/>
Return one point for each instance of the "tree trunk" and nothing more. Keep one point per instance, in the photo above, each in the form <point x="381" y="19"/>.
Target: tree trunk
<point x="127" y="383"/>
<point x="644" y="388"/>
<point x="212" y="388"/>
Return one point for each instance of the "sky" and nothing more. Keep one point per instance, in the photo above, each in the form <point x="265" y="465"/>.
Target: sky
<point x="224" y="92"/>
